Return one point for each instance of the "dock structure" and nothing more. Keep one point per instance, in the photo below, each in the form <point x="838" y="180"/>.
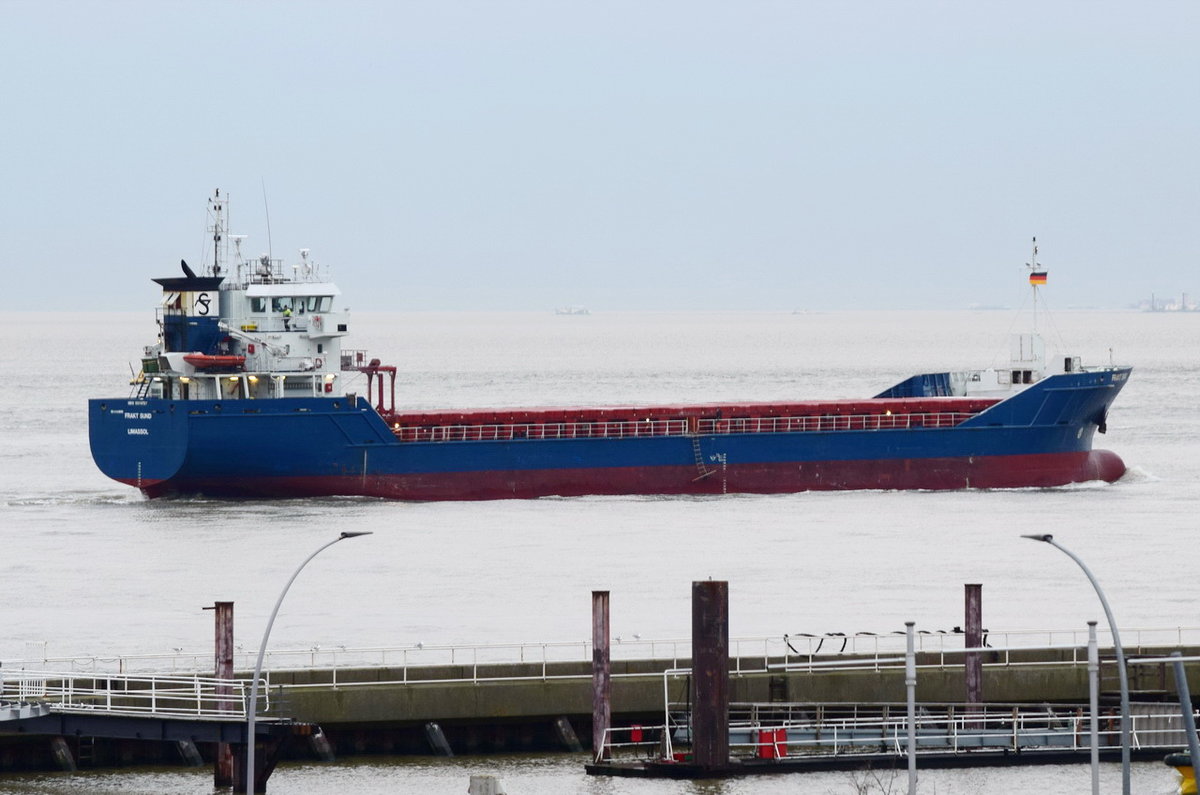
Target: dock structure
<point x="539" y="696"/>
<point x="506" y="697"/>
<point x="783" y="738"/>
<point x="180" y="710"/>
<point x="779" y="737"/>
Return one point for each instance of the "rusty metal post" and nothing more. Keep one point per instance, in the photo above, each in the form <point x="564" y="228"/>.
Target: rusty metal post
<point x="710" y="674"/>
<point x="223" y="667"/>
<point x="601" y="677"/>
<point x="973" y="628"/>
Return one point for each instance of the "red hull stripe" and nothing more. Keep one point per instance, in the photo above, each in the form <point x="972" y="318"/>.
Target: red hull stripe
<point x="991" y="472"/>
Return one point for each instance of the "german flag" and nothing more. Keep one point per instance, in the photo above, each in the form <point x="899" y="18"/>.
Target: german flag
<point x="1037" y="277"/>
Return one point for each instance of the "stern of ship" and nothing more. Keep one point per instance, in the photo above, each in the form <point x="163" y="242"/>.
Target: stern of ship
<point x="139" y="442"/>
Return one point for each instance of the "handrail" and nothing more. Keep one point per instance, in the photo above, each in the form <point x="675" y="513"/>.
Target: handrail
<point x="791" y="648"/>
<point x="603" y="429"/>
<point x="115" y="694"/>
<point x="835" y="422"/>
<point x="622" y="429"/>
<point x="782" y="730"/>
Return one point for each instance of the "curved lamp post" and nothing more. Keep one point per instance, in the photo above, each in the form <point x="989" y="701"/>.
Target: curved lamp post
<point x="1112" y="625"/>
<point x="252" y="708"/>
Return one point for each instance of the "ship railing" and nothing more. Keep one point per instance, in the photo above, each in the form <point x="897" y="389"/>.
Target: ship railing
<point x="120" y="694"/>
<point x="797" y="650"/>
<point x="835" y="422"/>
<point x="780" y="730"/>
<point x="621" y="429"/>
<point x="352" y="359"/>
<point x="617" y="429"/>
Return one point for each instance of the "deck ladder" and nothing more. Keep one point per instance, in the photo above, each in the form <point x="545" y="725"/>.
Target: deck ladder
<point x="703" y="470"/>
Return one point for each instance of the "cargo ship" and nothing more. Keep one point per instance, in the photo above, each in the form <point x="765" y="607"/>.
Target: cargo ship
<point x="245" y="394"/>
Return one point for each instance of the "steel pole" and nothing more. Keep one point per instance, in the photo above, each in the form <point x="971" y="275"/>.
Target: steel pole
<point x="1120" y="651"/>
<point x="910" y="684"/>
<point x="1094" y="703"/>
<point x="1185" y="705"/>
<point x="252" y="707"/>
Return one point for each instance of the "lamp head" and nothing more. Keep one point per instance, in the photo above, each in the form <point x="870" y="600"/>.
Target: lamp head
<point x="1039" y="537"/>
<point x="349" y="534"/>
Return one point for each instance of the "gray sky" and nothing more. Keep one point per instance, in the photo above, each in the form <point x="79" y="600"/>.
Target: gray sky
<point x="622" y="155"/>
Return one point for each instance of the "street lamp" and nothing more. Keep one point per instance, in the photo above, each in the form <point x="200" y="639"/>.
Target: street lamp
<point x="262" y="650"/>
<point x="1112" y="625"/>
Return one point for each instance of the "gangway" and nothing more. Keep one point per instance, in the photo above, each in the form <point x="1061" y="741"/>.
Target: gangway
<point x="170" y="708"/>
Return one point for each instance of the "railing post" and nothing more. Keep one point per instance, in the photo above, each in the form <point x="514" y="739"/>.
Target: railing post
<point x="910" y="684"/>
<point x="1093" y="667"/>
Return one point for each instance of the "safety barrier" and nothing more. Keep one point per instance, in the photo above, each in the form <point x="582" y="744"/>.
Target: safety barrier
<point x="795" y="649"/>
<point x="779" y="731"/>
<point x="624" y="429"/>
<point x="159" y="696"/>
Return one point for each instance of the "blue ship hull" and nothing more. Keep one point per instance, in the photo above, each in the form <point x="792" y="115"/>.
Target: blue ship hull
<point x="289" y="447"/>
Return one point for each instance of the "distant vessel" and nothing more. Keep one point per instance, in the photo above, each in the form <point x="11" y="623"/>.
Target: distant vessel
<point x="241" y="396"/>
<point x="572" y="310"/>
<point x="1169" y="305"/>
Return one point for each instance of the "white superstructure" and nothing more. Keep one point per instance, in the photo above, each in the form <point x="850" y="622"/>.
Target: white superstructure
<point x="276" y="334"/>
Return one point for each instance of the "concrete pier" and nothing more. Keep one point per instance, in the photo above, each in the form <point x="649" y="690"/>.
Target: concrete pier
<point x="515" y="706"/>
<point x="518" y="706"/>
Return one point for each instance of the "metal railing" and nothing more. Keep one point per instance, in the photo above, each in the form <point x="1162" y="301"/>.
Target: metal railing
<point x="624" y="429"/>
<point x="747" y="653"/>
<point x="157" y="696"/>
<point x="780" y="731"/>
<point x="617" y="429"/>
<point x="835" y="422"/>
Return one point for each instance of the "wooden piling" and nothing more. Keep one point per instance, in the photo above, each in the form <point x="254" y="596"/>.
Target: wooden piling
<point x="223" y="667"/>
<point x="601" y="676"/>
<point x="710" y="675"/>
<point x="973" y="631"/>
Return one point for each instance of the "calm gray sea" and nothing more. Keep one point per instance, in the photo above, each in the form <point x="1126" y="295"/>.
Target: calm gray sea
<point x="89" y="567"/>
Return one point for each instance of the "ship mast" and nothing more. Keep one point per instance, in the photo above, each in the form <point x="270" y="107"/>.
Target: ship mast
<point x="1037" y="277"/>
<point x="217" y="207"/>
